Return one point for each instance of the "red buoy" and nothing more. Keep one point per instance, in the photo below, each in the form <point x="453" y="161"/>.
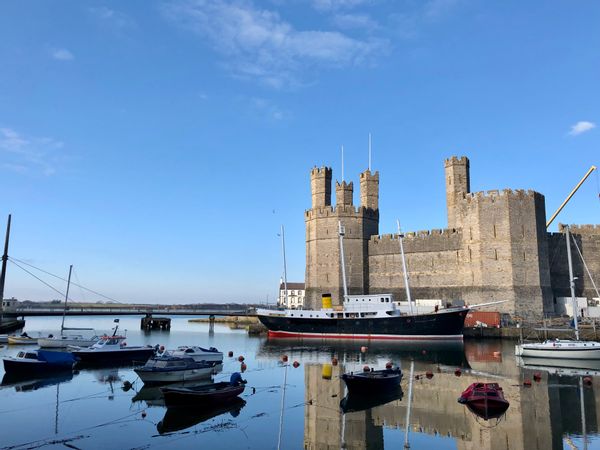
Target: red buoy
<point x="527" y="382"/>
<point x="417" y="377"/>
<point x="243" y="367"/>
<point x="162" y="348"/>
<point x="389" y="365"/>
<point x="334" y="361"/>
<point x="230" y="353"/>
<point x="366" y="369"/>
<point x="458" y="372"/>
<point x="284" y="358"/>
<point x="240" y="358"/>
<point x="296" y="364"/>
<point x="429" y="374"/>
<point x="363" y="349"/>
<point x="587" y="380"/>
<point x="537" y="377"/>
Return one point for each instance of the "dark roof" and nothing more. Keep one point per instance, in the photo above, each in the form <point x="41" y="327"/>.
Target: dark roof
<point x="291" y="285"/>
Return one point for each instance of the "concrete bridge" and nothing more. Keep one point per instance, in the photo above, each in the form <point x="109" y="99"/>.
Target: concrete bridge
<point x="133" y="310"/>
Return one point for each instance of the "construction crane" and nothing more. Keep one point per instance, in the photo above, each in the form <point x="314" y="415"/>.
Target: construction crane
<point x="570" y="195"/>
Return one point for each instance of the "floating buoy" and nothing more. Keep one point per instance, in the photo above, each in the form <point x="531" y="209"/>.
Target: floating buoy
<point x="230" y="353"/>
<point x="143" y="414"/>
<point x="162" y="348"/>
<point x="496" y="353"/>
<point x="527" y="382"/>
<point x="429" y="374"/>
<point x="296" y="364"/>
<point x="363" y="349"/>
<point x="127" y="385"/>
<point x="366" y="369"/>
<point x="334" y="361"/>
<point x="284" y="358"/>
<point x="243" y="367"/>
<point x="537" y="377"/>
<point x="417" y="377"/>
<point x="254" y="390"/>
<point x="240" y="358"/>
<point x="389" y="365"/>
<point x="458" y="372"/>
<point x="587" y="380"/>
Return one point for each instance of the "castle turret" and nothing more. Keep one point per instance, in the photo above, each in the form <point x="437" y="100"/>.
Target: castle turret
<point x="343" y="193"/>
<point x="369" y="190"/>
<point x="458" y="183"/>
<point x="320" y="186"/>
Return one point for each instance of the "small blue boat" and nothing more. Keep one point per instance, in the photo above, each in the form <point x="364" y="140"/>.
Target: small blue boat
<point x="39" y="362"/>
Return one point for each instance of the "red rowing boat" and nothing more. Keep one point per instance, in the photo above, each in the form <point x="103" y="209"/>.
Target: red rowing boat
<point x="485" y="399"/>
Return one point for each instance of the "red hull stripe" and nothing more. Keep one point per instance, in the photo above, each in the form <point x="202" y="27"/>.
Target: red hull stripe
<point x="288" y="334"/>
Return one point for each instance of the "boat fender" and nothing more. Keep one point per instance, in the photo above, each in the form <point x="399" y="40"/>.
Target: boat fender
<point x="366" y="369"/>
<point x="296" y="364"/>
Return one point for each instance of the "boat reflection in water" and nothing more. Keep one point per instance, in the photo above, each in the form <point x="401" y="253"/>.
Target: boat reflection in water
<point x="180" y="418"/>
<point x="357" y="402"/>
<point x="28" y="383"/>
<point x="569" y="367"/>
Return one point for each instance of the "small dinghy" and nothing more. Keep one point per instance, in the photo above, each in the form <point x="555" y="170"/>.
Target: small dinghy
<point x="38" y="362"/>
<point x="213" y="393"/>
<point x="373" y="382"/>
<point x="171" y="369"/>
<point x="486" y="400"/>
<point x="197" y="353"/>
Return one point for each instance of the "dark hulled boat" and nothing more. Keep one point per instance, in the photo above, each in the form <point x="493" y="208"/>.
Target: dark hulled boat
<point x="113" y="350"/>
<point x="38" y="363"/>
<point x="206" y="394"/>
<point x="373" y="382"/>
<point x="486" y="400"/>
<point x="374" y="316"/>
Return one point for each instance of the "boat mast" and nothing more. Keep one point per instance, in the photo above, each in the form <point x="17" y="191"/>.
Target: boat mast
<point x="3" y="273"/>
<point x="284" y="266"/>
<point x="572" y="283"/>
<point x="410" y="388"/>
<point x="342" y="232"/>
<point x="62" y="325"/>
<point x="405" y="272"/>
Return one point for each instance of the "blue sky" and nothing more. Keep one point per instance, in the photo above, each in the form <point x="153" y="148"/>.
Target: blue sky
<point x="159" y="146"/>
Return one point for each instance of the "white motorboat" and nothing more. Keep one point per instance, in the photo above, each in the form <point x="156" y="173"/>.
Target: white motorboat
<point x="197" y="353"/>
<point x="66" y="340"/>
<point x="561" y="348"/>
<point x="170" y="369"/>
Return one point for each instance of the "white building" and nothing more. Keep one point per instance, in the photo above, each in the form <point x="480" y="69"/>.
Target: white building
<point x="295" y="296"/>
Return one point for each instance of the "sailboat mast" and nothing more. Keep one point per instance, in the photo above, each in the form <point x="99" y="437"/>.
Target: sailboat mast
<point x="572" y="282"/>
<point x="62" y="325"/>
<point x="284" y="267"/>
<point x="404" y="271"/>
<point x="342" y="232"/>
<point x="410" y="389"/>
<point x="3" y="273"/>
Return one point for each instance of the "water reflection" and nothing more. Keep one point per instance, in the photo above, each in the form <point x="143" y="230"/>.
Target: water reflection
<point x="180" y="418"/>
<point x="24" y="383"/>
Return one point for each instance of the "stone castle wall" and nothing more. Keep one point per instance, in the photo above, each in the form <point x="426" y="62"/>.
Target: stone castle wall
<point x="495" y="249"/>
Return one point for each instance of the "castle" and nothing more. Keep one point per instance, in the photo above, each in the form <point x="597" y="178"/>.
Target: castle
<point x="496" y="247"/>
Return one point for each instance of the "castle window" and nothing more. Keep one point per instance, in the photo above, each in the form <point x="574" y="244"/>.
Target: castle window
<point x="496" y="254"/>
<point x="382" y="300"/>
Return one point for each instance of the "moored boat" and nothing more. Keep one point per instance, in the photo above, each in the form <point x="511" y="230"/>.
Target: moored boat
<point x="66" y="340"/>
<point x="373" y="382"/>
<point x="197" y="353"/>
<point x="485" y="400"/>
<point x="112" y="350"/>
<point x="23" y="339"/>
<point x="38" y="362"/>
<point x="171" y="369"/>
<point x="213" y="393"/>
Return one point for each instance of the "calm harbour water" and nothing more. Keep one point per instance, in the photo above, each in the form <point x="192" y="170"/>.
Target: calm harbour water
<point x="91" y="410"/>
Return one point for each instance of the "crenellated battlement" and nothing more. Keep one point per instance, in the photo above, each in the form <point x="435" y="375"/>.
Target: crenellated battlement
<point x="340" y="211"/>
<point x="456" y="160"/>
<point x="580" y="229"/>
<point x="323" y="170"/>
<point x="426" y="241"/>
<point x="496" y="194"/>
<point x="368" y="175"/>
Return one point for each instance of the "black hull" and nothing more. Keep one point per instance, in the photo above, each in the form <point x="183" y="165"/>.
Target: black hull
<point x="94" y="358"/>
<point x="7" y="325"/>
<point x="18" y="368"/>
<point x="435" y="326"/>
<point x="377" y="382"/>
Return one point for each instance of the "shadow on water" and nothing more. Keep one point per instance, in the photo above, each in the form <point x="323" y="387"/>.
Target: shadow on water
<point x="180" y="418"/>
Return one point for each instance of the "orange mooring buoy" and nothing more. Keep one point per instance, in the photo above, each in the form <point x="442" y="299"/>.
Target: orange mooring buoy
<point x="334" y="361"/>
<point x="230" y="353"/>
<point x="296" y="364"/>
<point x="527" y="382"/>
<point x="366" y="369"/>
<point x="243" y="367"/>
<point x="389" y="365"/>
<point x="458" y="372"/>
<point x="429" y="374"/>
<point x="240" y="358"/>
<point x="284" y="358"/>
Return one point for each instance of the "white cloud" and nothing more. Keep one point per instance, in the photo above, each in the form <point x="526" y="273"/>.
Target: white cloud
<point x="581" y="127"/>
<point x="358" y="21"/>
<point x="25" y="154"/>
<point x="259" y="44"/>
<point x="62" y="54"/>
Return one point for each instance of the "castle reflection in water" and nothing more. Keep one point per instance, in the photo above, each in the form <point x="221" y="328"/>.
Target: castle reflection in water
<point x="543" y="416"/>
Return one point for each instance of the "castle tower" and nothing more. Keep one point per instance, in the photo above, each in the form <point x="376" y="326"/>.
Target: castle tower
<point x="343" y="193"/>
<point x="458" y="183"/>
<point x="320" y="186"/>
<point x="369" y="190"/>
<point x="323" y="265"/>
